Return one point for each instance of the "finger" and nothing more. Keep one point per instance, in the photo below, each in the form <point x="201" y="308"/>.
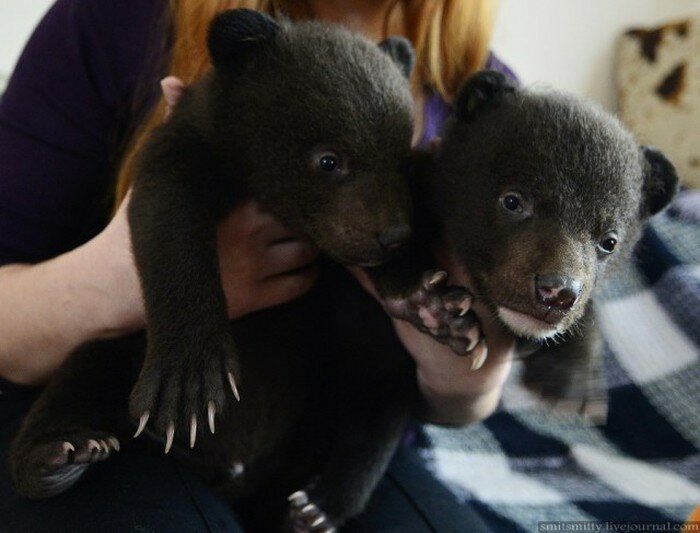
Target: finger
<point x="173" y="89"/>
<point x="364" y="280"/>
<point x="286" y="257"/>
<point x="284" y="288"/>
<point x="263" y="225"/>
<point x="246" y="220"/>
<point x="272" y="232"/>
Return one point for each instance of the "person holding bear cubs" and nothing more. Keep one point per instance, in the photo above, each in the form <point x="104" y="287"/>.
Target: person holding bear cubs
<point x="82" y="100"/>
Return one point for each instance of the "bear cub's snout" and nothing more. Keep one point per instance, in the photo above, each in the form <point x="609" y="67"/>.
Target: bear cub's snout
<point x="557" y="292"/>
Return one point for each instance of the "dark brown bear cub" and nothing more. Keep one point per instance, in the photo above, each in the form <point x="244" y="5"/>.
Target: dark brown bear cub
<point x="537" y="195"/>
<point x="312" y="121"/>
<point x="315" y="123"/>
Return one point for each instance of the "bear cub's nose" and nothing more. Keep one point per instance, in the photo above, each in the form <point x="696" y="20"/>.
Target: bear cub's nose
<point x="559" y="292"/>
<point x="394" y="237"/>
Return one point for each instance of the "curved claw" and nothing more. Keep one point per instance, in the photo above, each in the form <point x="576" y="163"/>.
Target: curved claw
<point x="211" y="411"/>
<point x="169" y="436"/>
<point x="193" y="430"/>
<point x="437" y="278"/>
<point x="67" y="447"/>
<point x="479" y="358"/>
<point x="309" y="509"/>
<point x="114" y="443"/>
<point x="465" y="305"/>
<point x="234" y="389"/>
<point x="298" y="499"/>
<point x="319" y="521"/>
<point x="142" y="423"/>
<point x="474" y="336"/>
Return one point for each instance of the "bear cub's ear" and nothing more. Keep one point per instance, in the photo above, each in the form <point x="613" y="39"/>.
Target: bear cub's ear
<point x="483" y="90"/>
<point x="236" y="34"/>
<point x="660" y="182"/>
<point x="401" y="52"/>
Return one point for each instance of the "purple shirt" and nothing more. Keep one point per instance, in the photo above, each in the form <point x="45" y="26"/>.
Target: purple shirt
<point x="63" y="121"/>
<point x="436" y="110"/>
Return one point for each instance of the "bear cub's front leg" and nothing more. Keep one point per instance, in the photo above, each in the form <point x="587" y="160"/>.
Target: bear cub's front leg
<point x="191" y="361"/>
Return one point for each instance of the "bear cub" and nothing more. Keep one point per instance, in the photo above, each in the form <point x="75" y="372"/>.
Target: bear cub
<point x="536" y="194"/>
<point x="315" y="123"/>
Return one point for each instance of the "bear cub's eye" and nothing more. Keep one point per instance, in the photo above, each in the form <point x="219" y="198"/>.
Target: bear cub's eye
<point x="608" y="243"/>
<point x="512" y="203"/>
<point x="328" y="162"/>
<point x="515" y="205"/>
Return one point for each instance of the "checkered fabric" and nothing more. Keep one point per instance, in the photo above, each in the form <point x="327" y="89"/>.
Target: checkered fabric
<point x="525" y="464"/>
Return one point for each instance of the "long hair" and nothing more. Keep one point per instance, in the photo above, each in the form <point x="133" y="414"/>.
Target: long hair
<point x="450" y="38"/>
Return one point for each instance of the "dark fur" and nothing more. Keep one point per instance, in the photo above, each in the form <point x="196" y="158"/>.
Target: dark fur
<point x="325" y="386"/>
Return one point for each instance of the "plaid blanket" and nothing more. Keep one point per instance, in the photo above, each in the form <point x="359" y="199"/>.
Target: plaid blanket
<point x="525" y="464"/>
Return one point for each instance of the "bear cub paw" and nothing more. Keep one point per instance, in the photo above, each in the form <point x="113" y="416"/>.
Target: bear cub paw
<point x="306" y="517"/>
<point x="50" y="467"/>
<point x="442" y="311"/>
<point x="183" y="396"/>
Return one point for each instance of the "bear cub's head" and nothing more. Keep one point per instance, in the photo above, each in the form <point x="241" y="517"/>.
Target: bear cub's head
<point x="329" y="118"/>
<point x="540" y="193"/>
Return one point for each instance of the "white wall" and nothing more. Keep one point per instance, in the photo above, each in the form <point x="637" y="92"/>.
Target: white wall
<point x="565" y="43"/>
<point x="570" y="44"/>
<point x="17" y="20"/>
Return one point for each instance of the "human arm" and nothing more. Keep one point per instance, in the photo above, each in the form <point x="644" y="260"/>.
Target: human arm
<point x="92" y="292"/>
<point x="50" y="308"/>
